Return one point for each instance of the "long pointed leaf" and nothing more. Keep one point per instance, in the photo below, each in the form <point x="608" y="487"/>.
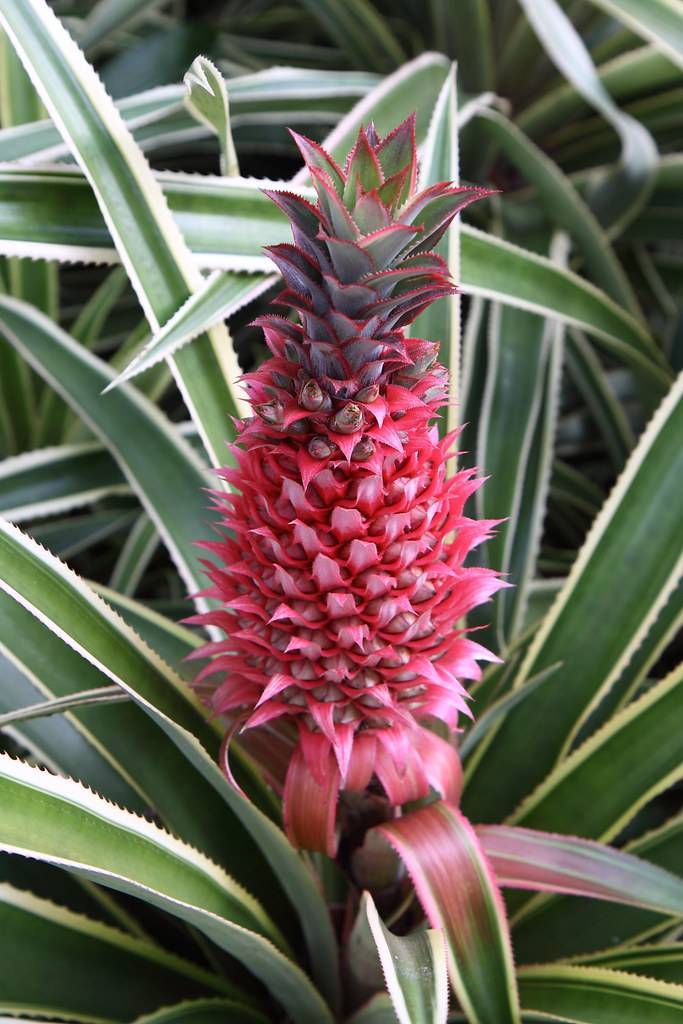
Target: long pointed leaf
<point x="458" y="892"/>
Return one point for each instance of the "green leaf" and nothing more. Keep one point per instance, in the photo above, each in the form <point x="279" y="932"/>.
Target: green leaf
<point x="415" y="970"/>
<point x="72" y="535"/>
<point x="661" y="21"/>
<point x="593" y="791"/>
<point x="86" y="328"/>
<point x="204" y="1011"/>
<point x="207" y="100"/>
<point x="591" y="633"/>
<point x="620" y="195"/>
<point x="151" y="246"/>
<point x="58" y="705"/>
<point x="379" y="1010"/>
<point x="473" y="50"/>
<point x="597" y="996"/>
<point x="664" y="962"/>
<point x="220" y="296"/>
<point x="59" y="821"/>
<point x="135" y="556"/>
<point x="438" y="845"/>
<point x="35" y="281"/>
<point x="153" y="457"/>
<point x="158" y="115"/>
<point x="360" y="31"/>
<point x="526" y="859"/>
<point x="515" y="435"/>
<point x="64" y="963"/>
<point x="67" y="744"/>
<point x="572" y="925"/>
<point x="439" y="162"/>
<point x="109" y="16"/>
<point x="641" y="70"/>
<point x="75" y="613"/>
<point x="50" y="481"/>
<point x="589" y="376"/>
<point x="563" y="206"/>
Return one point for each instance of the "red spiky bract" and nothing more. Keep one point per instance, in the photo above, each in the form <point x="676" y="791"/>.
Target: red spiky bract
<point x="341" y="574"/>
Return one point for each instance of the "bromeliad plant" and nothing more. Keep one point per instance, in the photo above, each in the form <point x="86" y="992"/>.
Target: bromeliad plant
<point x="309" y="848"/>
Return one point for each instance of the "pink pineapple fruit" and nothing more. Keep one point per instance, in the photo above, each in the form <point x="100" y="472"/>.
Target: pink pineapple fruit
<point x="341" y="579"/>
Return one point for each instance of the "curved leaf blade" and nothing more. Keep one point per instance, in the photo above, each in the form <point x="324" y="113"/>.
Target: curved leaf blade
<point x="128" y="854"/>
<point x="528" y="859"/>
<point x="414" y="968"/>
<point x="459" y="895"/>
<point x="597" y="996"/>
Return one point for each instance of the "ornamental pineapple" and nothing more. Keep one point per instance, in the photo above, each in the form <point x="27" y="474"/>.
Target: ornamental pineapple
<point x="340" y="574"/>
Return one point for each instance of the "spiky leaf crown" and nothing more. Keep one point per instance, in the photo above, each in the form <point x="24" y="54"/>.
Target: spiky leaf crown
<point x="359" y="271"/>
<point x="341" y="576"/>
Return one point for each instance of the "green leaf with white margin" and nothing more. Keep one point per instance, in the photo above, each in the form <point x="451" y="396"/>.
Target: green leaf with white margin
<point x="414" y="967"/>
<point x="437" y="844"/>
<point x="149" y="242"/>
<point x="661" y="21"/>
<point x="619" y="197"/>
<point x="122" y="753"/>
<point x="573" y="926"/>
<point x="50" y="481"/>
<point x="74" y="612"/>
<point x="61" y="962"/>
<point x="439" y="162"/>
<point x="207" y="100"/>
<point x="593" y="791"/>
<point x="220" y="297"/>
<point x="152" y="455"/>
<point x="204" y="1011"/>
<point x="664" y="962"/>
<point x="157" y="116"/>
<point x="378" y="1010"/>
<point x="58" y="705"/>
<point x="563" y="205"/>
<point x="55" y="210"/>
<point x="520" y="397"/>
<point x="32" y="280"/>
<point x="59" y="821"/>
<point x="633" y="550"/>
<point x="545" y="862"/>
<point x="594" y="995"/>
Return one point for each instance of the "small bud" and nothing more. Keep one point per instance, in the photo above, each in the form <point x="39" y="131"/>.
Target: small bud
<point x="271" y="412"/>
<point x="311" y="396"/>
<point x="347" y="420"/>
<point x="318" y="448"/>
<point x="368" y="394"/>
<point x="364" y="450"/>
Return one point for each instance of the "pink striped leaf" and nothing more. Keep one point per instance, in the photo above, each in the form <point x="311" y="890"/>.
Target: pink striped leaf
<point x="414" y="968"/>
<point x="459" y="894"/>
<point x="542" y="861"/>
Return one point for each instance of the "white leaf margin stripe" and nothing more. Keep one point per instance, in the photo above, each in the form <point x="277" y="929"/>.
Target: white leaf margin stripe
<point x="204" y="308"/>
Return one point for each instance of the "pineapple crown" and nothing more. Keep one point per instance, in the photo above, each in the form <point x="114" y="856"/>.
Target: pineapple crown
<point x="360" y="270"/>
